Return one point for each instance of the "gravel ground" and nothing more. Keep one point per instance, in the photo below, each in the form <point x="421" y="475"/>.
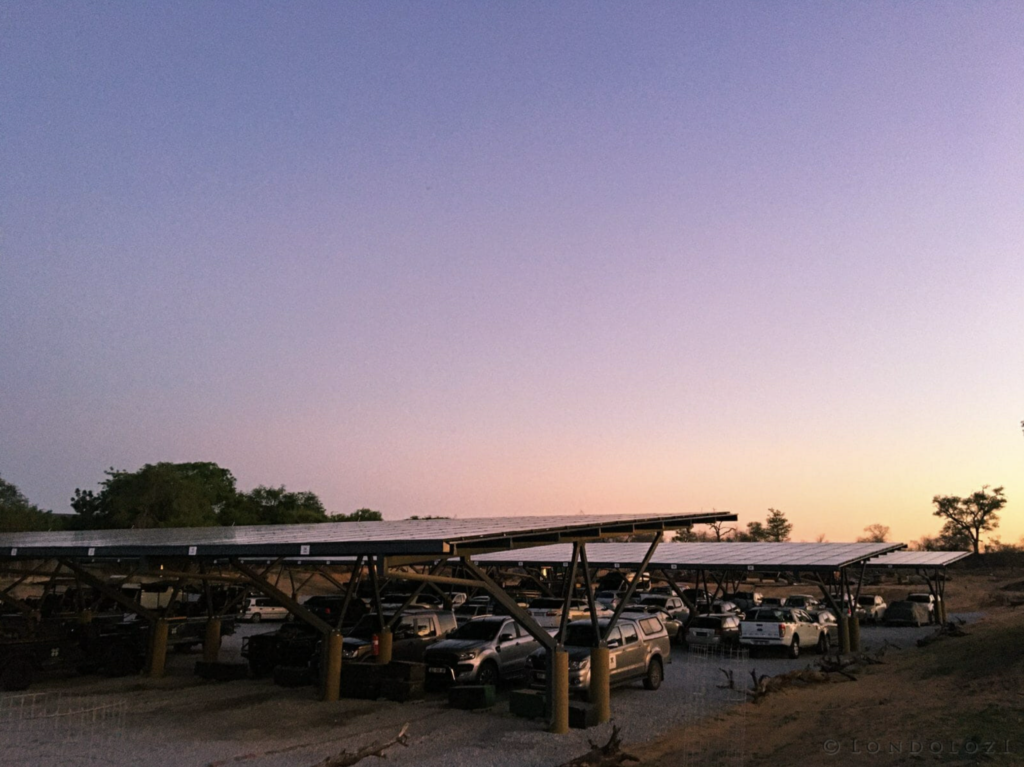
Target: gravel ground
<point x="181" y="721"/>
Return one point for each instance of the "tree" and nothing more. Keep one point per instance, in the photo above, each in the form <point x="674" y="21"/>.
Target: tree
<point x="754" y="533"/>
<point x="719" y="532"/>
<point x="967" y="518"/>
<point x="157" y="495"/>
<point x="273" y="506"/>
<point x="777" y="527"/>
<point x="359" y="515"/>
<point x="17" y="514"/>
<point x="875" y="533"/>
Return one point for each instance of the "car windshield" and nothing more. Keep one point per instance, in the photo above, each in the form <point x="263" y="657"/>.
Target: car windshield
<point x="579" y="635"/>
<point x="769" y="616"/>
<point x="919" y="598"/>
<point x="482" y="630"/>
<point x="368" y="626"/>
<point x="771" y="602"/>
<point x="866" y="601"/>
<point x="546" y="604"/>
<point x="707" y="623"/>
<point x="654" y="600"/>
<point x="468" y="609"/>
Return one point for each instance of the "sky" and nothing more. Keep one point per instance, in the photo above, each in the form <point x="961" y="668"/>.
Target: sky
<point x="477" y="259"/>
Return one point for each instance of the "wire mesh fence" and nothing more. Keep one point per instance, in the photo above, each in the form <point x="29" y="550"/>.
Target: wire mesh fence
<point x="57" y="728"/>
<point x="714" y="716"/>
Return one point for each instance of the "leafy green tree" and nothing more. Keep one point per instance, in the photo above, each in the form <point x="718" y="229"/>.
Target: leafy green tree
<point x="777" y="527"/>
<point x="966" y="519"/>
<point x="157" y="495"/>
<point x="273" y="506"/>
<point x="18" y="515"/>
<point x="755" y="532"/>
<point x="359" y="515"/>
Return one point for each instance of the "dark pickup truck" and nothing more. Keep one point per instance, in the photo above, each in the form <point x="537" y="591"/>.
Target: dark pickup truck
<point x="107" y="644"/>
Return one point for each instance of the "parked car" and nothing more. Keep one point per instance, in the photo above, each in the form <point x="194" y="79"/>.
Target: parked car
<point x="802" y="602"/>
<point x="772" y="601"/>
<point x="788" y="628"/>
<point x="722" y="607"/>
<point x="470" y="610"/>
<point x="638" y="648"/>
<point x="186" y="633"/>
<point x="482" y="651"/>
<point x="416" y="630"/>
<point x="294" y="644"/>
<point x="673" y="605"/>
<point x="699" y="597"/>
<point x="745" y="600"/>
<point x="928" y="600"/>
<point x="547" y="611"/>
<point x="907" y="613"/>
<point x="328" y="608"/>
<point x="721" y="630"/>
<point x="609" y="599"/>
<point x="258" y="609"/>
<point x="674" y="627"/>
<point x="829" y="627"/>
<point x="29" y="647"/>
<point x="871" y="608"/>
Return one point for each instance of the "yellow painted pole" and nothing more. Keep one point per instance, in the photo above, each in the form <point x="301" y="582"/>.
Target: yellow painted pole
<point x="844" y="633"/>
<point x="384" y="656"/>
<point x="600" y="687"/>
<point x="332" y="668"/>
<point x="158" y="648"/>
<point x="560" y="693"/>
<point x="211" y="643"/>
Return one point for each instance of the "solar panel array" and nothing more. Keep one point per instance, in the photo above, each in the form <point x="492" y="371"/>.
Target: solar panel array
<point x="903" y="559"/>
<point x="702" y="556"/>
<point x="422" y="536"/>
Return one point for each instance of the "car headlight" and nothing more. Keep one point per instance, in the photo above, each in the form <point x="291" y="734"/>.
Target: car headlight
<point x="468" y="654"/>
<point x="349" y="653"/>
<point x="579" y="665"/>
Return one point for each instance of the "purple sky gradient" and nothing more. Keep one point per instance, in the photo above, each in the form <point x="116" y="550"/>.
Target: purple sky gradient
<point x="522" y="258"/>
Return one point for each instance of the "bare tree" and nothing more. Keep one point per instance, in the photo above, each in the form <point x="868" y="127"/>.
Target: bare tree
<point x="720" y="532"/>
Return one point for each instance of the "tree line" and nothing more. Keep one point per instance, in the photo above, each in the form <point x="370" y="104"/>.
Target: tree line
<point x="200" y="494"/>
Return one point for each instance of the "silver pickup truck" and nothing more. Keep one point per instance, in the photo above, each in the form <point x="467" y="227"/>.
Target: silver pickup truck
<point x="639" y="647"/>
<point x="481" y="651"/>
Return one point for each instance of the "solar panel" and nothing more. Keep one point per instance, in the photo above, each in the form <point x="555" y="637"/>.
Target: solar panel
<point x="700" y="556"/>
<point x="422" y="536"/>
<point x="911" y="559"/>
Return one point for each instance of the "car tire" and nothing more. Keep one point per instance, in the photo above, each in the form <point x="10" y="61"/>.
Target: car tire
<point x="488" y="673"/>
<point x="256" y="617"/>
<point x="824" y="644"/>
<point x="794" y="647"/>
<point x="16" y="675"/>
<point x="655" y="675"/>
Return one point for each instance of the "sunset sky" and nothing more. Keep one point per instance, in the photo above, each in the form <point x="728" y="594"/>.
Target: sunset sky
<point x="520" y="258"/>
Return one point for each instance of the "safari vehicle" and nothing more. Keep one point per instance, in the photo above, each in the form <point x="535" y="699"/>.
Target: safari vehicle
<point x="481" y="651"/>
<point x="674" y="627"/>
<point x="107" y="644"/>
<point x="786" y="628"/>
<point x="639" y="648"/>
<point x="416" y="630"/>
<point x="258" y="609"/>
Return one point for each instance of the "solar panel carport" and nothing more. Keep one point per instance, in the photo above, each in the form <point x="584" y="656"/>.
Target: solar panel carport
<point x="830" y="566"/>
<point x="384" y="548"/>
<point x="930" y="565"/>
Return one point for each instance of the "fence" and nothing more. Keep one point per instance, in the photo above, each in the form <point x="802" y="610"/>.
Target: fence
<point x="714" y="717"/>
<point x="58" y="728"/>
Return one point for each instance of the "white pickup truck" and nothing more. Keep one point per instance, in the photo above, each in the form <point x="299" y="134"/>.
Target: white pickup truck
<point x="788" y="628"/>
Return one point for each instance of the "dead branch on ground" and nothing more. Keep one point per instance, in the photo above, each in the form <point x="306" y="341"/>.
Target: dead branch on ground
<point x="345" y="759"/>
<point x="608" y="755"/>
